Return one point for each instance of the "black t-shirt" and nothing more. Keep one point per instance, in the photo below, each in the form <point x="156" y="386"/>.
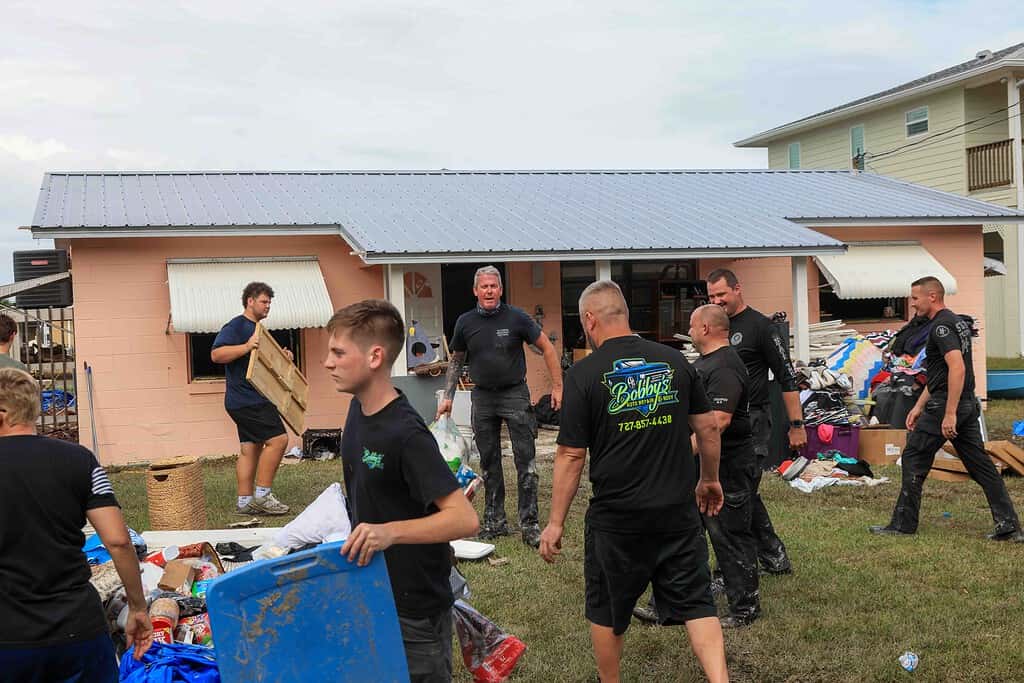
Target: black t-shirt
<point x="395" y="471"/>
<point x="629" y="402"/>
<point x="46" y="486"/>
<point x="949" y="332"/>
<point x="494" y="345"/>
<point x="762" y="348"/>
<point x="238" y="392"/>
<point x="725" y="380"/>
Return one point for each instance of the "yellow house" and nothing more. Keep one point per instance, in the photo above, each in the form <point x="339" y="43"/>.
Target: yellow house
<point x="957" y="130"/>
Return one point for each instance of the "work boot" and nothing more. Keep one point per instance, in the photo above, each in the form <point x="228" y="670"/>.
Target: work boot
<point x="492" y="530"/>
<point x="531" y="536"/>
<point x="1006" y="533"/>
<point x="734" y="621"/>
<point x="887" y="530"/>
<point x="646" y="614"/>
<point x="268" y="505"/>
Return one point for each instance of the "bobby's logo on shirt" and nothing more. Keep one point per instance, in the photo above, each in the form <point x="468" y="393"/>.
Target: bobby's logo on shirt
<point x="374" y="461"/>
<point x="635" y="384"/>
<point x="736" y="338"/>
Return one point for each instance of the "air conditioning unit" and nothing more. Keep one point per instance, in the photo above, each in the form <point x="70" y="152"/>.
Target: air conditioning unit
<point x="37" y="263"/>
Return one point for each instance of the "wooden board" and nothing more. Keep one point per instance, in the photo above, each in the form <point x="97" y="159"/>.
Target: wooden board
<point x="1008" y="453"/>
<point x="279" y="380"/>
<point x="951" y="463"/>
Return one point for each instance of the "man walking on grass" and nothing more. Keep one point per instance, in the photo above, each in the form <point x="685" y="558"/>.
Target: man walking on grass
<point x="632" y="403"/>
<point x="405" y="501"/>
<point x="490" y="339"/>
<point x="762" y="348"/>
<point x="261" y="434"/>
<point x="947" y="409"/>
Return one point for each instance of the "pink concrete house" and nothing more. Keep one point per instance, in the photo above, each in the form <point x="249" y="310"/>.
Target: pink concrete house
<point x="159" y="260"/>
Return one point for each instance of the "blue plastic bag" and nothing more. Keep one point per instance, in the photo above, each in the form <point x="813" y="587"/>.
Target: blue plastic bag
<point x="1018" y="428"/>
<point x="175" y="663"/>
<point x="95" y="553"/>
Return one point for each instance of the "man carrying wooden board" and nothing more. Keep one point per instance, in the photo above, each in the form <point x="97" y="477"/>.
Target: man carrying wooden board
<point x="261" y="433"/>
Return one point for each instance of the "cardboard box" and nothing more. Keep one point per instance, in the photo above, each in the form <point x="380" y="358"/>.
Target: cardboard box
<point x="580" y="354"/>
<point x="951" y="463"/>
<point x="943" y="475"/>
<point x="881" y="445"/>
<point x="178" y="576"/>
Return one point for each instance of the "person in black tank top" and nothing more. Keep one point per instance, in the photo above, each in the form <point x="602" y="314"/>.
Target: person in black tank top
<point x="947" y="410"/>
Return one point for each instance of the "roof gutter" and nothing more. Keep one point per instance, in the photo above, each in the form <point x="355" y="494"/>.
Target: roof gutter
<point x="762" y="139"/>
<point x="597" y="255"/>
<point x="880" y="222"/>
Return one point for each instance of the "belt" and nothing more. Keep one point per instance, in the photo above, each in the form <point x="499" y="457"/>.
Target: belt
<point x="501" y="388"/>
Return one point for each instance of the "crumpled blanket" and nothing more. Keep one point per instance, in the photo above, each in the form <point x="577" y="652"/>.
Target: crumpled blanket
<point x="824" y="482"/>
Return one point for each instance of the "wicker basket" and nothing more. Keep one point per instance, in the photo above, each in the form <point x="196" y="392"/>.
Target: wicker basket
<point x="175" y="492"/>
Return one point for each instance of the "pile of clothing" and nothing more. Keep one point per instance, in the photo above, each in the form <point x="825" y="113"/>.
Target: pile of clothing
<point x="828" y="468"/>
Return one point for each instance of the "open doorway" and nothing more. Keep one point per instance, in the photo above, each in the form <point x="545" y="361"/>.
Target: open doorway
<point x="457" y="290"/>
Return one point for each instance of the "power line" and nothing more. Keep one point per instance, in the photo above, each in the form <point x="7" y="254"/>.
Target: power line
<point x="930" y="142"/>
<point x="931" y="138"/>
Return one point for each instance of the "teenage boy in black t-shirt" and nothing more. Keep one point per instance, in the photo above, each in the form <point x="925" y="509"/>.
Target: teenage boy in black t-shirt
<point x="947" y="409"/>
<point x="52" y="626"/>
<point x="632" y="403"/>
<point x="404" y="499"/>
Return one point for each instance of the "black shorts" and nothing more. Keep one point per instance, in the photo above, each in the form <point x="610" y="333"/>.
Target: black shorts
<point x="618" y="566"/>
<point x="257" y="424"/>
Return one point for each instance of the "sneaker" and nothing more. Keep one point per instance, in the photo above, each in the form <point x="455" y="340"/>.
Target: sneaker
<point x="246" y="510"/>
<point x="268" y="505"/>
<point x="531" y="536"/>
<point x="646" y="614"/>
<point x="887" y="530"/>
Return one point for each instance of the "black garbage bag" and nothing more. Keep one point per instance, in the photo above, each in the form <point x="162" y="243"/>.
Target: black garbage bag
<point x="545" y="414"/>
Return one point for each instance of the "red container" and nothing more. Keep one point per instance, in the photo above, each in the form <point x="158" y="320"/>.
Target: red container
<point x="845" y="439"/>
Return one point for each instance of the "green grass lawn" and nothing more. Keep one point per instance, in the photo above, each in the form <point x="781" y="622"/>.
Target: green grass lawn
<point x="1005" y="363"/>
<point x="853" y="605"/>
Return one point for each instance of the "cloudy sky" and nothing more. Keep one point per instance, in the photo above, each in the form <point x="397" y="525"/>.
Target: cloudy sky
<point x="218" y="84"/>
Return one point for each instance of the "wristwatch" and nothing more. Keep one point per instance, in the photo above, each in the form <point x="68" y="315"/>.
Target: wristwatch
<point x="796" y="423"/>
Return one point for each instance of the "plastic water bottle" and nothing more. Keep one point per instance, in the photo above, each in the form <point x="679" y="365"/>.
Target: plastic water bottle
<point x="908" y="660"/>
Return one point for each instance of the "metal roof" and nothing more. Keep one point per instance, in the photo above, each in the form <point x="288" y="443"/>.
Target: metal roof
<point x="406" y="216"/>
<point x="880" y="271"/>
<point x="992" y="60"/>
<point x="204" y="292"/>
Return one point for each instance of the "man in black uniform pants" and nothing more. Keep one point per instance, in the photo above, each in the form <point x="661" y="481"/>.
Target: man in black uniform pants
<point x="947" y="409"/>
<point x="732" y="534"/>
<point x="761" y="348"/>
<point x="633" y="404"/>
<point x="490" y="338"/>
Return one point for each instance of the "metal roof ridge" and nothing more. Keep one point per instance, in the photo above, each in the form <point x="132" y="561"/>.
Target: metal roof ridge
<point x="572" y="171"/>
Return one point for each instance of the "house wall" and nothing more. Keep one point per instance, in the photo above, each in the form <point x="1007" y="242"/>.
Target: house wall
<point x="767" y="283"/>
<point x="980" y="103"/>
<point x="145" y="407"/>
<point x="521" y="292"/>
<point x="940" y="164"/>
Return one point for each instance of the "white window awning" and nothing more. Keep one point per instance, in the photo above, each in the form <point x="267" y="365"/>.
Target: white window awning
<point x="881" y="271"/>
<point x="206" y="293"/>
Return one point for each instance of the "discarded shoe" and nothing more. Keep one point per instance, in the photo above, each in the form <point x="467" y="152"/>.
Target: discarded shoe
<point x="887" y="530"/>
<point x="646" y="614"/>
<point x="268" y="505"/>
<point x="531" y="536"/>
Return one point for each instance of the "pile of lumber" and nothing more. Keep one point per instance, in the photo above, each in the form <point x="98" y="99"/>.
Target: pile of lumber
<point x="1005" y="455"/>
<point x="824" y="339"/>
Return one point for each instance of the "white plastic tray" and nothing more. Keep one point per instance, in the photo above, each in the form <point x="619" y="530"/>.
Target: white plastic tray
<point x="471" y="550"/>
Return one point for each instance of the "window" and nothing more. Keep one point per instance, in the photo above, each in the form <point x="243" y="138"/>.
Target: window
<point x="917" y="121"/>
<point x="857" y="147"/>
<point x="199" y="346"/>
<point x="794" y="155"/>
